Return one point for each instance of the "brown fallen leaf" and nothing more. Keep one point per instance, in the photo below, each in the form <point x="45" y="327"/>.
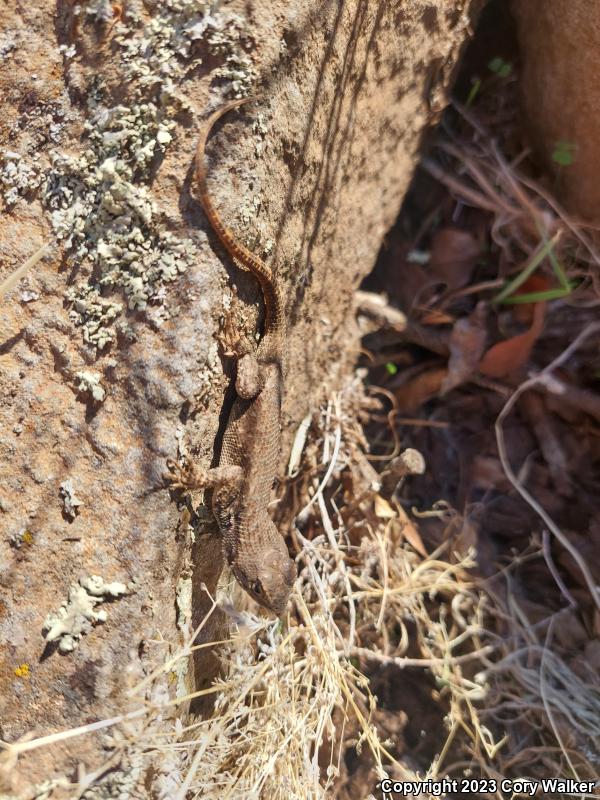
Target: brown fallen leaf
<point x="420" y="389"/>
<point x="467" y="538"/>
<point x="382" y="508"/>
<point x="433" y="316"/>
<point x="510" y="356"/>
<point x="467" y="343"/>
<point x="409" y="532"/>
<point x="453" y="255"/>
<point x="486" y="474"/>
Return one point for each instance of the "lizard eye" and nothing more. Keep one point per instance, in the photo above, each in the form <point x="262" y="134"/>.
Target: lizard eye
<point x="257" y="587"/>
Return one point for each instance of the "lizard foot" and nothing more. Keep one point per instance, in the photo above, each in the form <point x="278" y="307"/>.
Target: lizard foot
<point x="184" y="477"/>
<point x="233" y="342"/>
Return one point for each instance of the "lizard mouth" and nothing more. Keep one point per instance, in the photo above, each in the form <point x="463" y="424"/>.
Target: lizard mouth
<point x="278" y="607"/>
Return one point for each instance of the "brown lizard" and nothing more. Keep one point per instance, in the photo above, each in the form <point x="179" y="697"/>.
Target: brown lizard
<point x="241" y="484"/>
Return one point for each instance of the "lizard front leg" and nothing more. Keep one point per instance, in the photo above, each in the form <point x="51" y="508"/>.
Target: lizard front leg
<point x="249" y="380"/>
<point x="226" y="480"/>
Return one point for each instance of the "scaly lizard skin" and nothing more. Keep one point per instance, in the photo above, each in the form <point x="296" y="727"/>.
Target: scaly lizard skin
<point x="241" y="484"/>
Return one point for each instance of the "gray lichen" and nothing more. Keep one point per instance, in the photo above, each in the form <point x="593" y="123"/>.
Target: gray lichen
<point x="94" y="313"/>
<point x="89" y="383"/>
<point x="100" y="10"/>
<point x="17" y="177"/>
<point x="8" y="44"/>
<point x="70" y="501"/>
<point x="99" y="202"/>
<point x="77" y="616"/>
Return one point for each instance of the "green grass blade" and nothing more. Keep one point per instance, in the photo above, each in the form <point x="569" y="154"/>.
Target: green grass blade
<point x="539" y="297"/>
<point x="520" y="279"/>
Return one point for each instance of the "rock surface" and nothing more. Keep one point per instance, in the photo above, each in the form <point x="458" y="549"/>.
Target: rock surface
<point x="108" y="355"/>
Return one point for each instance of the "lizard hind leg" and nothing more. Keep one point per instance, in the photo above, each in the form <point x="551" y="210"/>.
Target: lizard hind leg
<point x="233" y="341"/>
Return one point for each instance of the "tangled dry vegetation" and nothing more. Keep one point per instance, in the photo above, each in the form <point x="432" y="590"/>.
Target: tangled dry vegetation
<point x="295" y="711"/>
<point x="294" y="699"/>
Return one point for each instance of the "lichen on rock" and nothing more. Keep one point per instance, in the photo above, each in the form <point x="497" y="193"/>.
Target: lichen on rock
<point x="77" y="616"/>
<point x="100" y="203"/>
<point x="18" y="178"/>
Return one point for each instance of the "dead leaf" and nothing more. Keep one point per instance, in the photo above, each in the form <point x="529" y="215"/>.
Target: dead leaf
<point x="409" y="532"/>
<point x="433" y="316"/>
<point x="467" y="538"/>
<point x="467" y="343"/>
<point x="453" y="255"/>
<point x="383" y="509"/>
<point x="486" y="473"/>
<point x="510" y="356"/>
<point x="420" y="389"/>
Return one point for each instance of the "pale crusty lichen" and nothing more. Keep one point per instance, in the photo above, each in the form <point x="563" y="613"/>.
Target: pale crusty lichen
<point x="18" y="178"/>
<point x="70" y="501"/>
<point x="89" y="383"/>
<point x="77" y="616"/>
<point x="94" y="313"/>
<point x="100" y="204"/>
<point x="100" y="10"/>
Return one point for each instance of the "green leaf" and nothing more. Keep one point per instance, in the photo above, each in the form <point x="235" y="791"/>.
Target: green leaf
<point x="540" y="254"/>
<point x="564" y="153"/>
<point x="391" y="368"/>
<point x="500" y="67"/>
<point x="538" y="297"/>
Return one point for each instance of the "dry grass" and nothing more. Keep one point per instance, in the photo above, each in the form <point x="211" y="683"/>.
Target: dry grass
<point x="294" y="697"/>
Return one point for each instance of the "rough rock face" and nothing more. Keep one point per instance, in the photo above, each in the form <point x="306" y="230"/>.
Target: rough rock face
<point x="108" y="357"/>
<point x="560" y="42"/>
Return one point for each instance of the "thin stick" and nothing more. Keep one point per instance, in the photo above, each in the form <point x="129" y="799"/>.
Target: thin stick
<point x="548" y="521"/>
<point x="21" y="271"/>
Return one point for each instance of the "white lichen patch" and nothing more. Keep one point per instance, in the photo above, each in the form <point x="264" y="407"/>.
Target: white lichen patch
<point x="18" y="178"/>
<point x="89" y="383"/>
<point x="29" y="296"/>
<point x="100" y="203"/>
<point x="77" y="616"/>
<point x="100" y="10"/>
<point x="71" y="502"/>
<point x="94" y="313"/>
<point x="260" y="129"/>
<point x="183" y="594"/>
<point x="8" y="44"/>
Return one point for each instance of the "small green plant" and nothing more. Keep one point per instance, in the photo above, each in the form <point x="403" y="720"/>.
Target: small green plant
<point x="500" y="67"/>
<point x="474" y="91"/>
<point x="391" y="368"/>
<point x="545" y="250"/>
<point x="564" y="153"/>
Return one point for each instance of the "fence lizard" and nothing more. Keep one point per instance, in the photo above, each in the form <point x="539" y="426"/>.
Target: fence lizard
<point x="241" y="484"/>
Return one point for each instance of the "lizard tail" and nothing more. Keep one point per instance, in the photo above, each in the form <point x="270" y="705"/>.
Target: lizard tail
<point x="274" y="317"/>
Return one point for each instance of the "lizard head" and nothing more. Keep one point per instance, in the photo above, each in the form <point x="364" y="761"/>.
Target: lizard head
<point x="268" y="579"/>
